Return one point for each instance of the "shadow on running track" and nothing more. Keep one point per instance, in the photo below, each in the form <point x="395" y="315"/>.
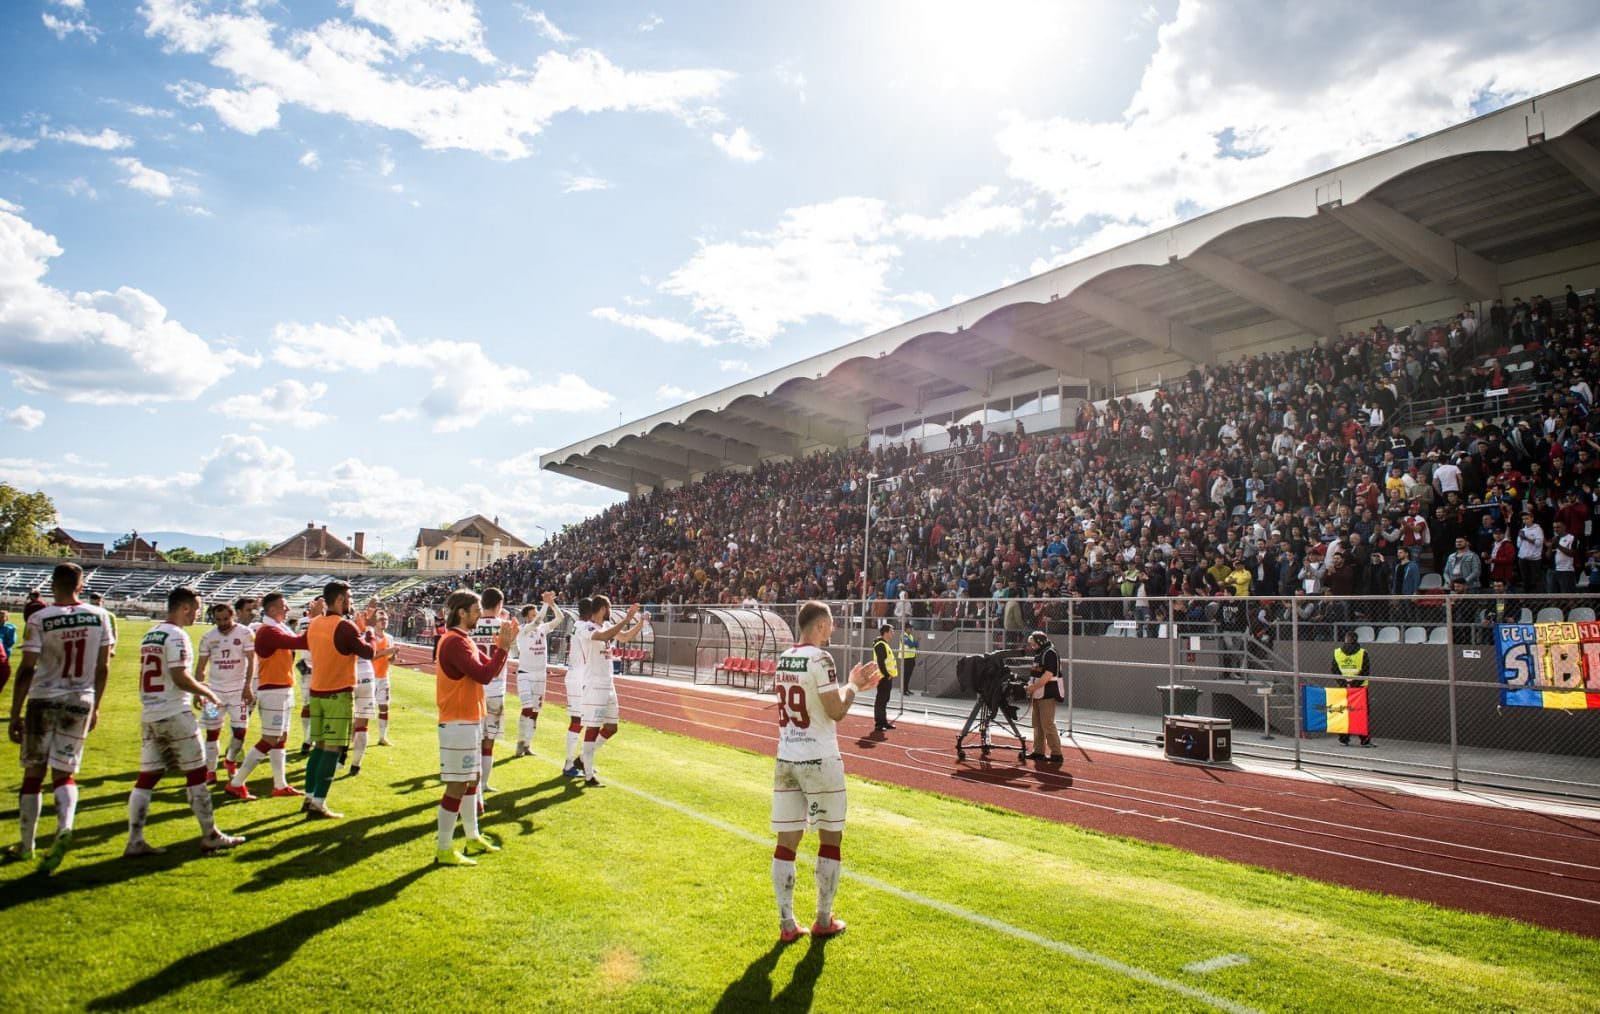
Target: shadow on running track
<point x="249" y="958"/>
<point x="753" y="989"/>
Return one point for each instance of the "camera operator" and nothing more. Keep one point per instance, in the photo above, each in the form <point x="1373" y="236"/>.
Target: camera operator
<point x="1045" y="689"/>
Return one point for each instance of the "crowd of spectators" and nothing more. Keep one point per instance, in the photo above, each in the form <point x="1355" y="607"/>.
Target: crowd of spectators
<point x="1298" y="476"/>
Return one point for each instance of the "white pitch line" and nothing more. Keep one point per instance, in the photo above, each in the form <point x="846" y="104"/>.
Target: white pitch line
<point x="1216" y="964"/>
<point x="976" y="918"/>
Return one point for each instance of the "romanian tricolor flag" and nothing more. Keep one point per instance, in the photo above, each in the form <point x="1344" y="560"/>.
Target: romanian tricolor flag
<point x="1340" y="710"/>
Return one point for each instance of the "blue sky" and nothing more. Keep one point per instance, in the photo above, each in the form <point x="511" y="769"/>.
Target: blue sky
<point x="357" y="262"/>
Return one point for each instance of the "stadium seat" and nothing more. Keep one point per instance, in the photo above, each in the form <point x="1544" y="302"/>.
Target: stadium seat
<point x="1550" y="614"/>
<point x="1416" y="635"/>
<point x="1365" y="634"/>
<point x="1439" y="635"/>
<point x="1526" y="616"/>
<point x="1388" y="635"/>
<point x="1580" y="614"/>
<point x="1430" y="582"/>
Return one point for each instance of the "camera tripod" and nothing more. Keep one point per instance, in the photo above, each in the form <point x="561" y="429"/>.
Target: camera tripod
<point x="984" y="714"/>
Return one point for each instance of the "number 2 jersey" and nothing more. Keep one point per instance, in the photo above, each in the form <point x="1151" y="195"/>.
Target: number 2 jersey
<point x="805" y="732"/>
<point x="165" y="648"/>
<point x="67" y="640"/>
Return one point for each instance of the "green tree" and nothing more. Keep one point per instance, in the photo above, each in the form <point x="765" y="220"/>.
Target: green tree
<point x="25" y="521"/>
<point x="183" y="554"/>
<point x="255" y="549"/>
<point x="385" y="560"/>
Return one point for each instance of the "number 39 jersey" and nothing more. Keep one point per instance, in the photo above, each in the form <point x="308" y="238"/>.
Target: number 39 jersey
<point x="164" y="648"/>
<point x="67" y="640"/>
<point x="805" y="732"/>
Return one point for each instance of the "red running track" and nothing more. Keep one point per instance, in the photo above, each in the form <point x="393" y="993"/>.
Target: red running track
<point x="1536" y="867"/>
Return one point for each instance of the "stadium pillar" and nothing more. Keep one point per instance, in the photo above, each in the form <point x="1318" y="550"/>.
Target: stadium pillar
<point x="1420" y="248"/>
<point x="1287" y="302"/>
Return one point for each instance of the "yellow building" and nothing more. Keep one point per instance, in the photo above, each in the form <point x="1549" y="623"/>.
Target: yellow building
<point x="464" y="545"/>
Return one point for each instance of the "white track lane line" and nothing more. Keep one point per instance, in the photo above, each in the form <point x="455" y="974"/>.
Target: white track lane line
<point x="1260" y="839"/>
<point x="1340" y="830"/>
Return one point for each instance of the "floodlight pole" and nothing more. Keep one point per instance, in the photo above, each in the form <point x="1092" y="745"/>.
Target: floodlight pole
<point x="866" y="556"/>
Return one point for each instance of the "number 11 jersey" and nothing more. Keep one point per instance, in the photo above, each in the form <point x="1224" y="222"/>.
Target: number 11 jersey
<point x="68" y="640"/>
<point x="805" y="732"/>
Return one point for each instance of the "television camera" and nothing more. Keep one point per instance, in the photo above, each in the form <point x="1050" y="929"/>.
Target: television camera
<point x="998" y="689"/>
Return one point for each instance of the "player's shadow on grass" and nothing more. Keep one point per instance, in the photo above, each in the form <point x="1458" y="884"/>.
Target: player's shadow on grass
<point x="255" y="955"/>
<point x="753" y="990"/>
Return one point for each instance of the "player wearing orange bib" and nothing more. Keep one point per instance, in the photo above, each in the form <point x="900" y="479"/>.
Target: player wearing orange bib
<point x="386" y="650"/>
<point x="275" y="646"/>
<point x="365" y="701"/>
<point x="462" y="671"/>
<point x="335" y="645"/>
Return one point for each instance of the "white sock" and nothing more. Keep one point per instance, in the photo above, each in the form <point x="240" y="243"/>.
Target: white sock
<point x="573" y="738"/>
<point x="280" y="765"/>
<point x="827" y="887"/>
<point x="588" y="756"/>
<point x="28" y="806"/>
<point x="488" y="764"/>
<point x="235" y="748"/>
<point x="469" y="812"/>
<point x="138" y="813"/>
<point x="447" y="827"/>
<point x="200" y="803"/>
<point x="211" y="754"/>
<point x="383" y="728"/>
<point x="358" y="748"/>
<point x="524" y="730"/>
<point x="246" y="766"/>
<point x="66" y="806"/>
<point x="305" y="728"/>
<point x="783" y="889"/>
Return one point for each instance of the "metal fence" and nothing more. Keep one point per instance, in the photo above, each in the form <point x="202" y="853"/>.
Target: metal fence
<point x="1437" y="706"/>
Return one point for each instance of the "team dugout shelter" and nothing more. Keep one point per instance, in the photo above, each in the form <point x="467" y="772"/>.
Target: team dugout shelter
<point x="1503" y="205"/>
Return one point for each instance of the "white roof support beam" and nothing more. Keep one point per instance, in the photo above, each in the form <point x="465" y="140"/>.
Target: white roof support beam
<point x="1162" y="333"/>
<point x="1578" y="157"/>
<point x="817" y="403"/>
<point x="970" y="380"/>
<point x="1065" y="359"/>
<point x="624" y="461"/>
<point x="598" y="478"/>
<point x="1305" y="311"/>
<point x="888" y="390"/>
<point x="728" y="450"/>
<point x="1415" y="245"/>
<point x="807" y="429"/>
<point x="722" y="426"/>
<point x="683" y="457"/>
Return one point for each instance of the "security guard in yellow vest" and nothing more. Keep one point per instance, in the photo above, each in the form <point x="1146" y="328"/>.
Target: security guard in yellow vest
<point x="1353" y="667"/>
<point x="887" y="670"/>
<point x="908" y="660"/>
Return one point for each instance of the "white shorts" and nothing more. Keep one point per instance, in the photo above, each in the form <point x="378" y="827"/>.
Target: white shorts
<point x="808" y="792"/>
<point x="494" y="714"/>
<point x="364" y="703"/>
<point x="53" y="732"/>
<point x="530" y="689"/>
<point x="600" y="707"/>
<point x="380" y="692"/>
<point x="232" y="711"/>
<point x="276" y="705"/>
<point x="171" y="744"/>
<point x="460" y="758"/>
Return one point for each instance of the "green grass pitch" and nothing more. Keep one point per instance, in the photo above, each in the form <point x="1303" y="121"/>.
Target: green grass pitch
<point x="653" y="895"/>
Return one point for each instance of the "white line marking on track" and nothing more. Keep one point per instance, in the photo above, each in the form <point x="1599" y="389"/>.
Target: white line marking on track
<point x="1217" y="964"/>
<point x="967" y="915"/>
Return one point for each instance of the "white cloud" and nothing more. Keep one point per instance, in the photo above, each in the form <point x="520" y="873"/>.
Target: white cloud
<point x="286" y="403"/>
<point x="1229" y="106"/>
<point x="249" y="111"/>
<point x="650" y="23"/>
<point x="26" y="417"/>
<point x="669" y="331"/>
<point x="150" y="181"/>
<point x="738" y="145"/>
<point x="147" y="112"/>
<point x="734" y="366"/>
<point x="106" y="140"/>
<point x="100" y="347"/>
<point x="544" y="26"/>
<point x="792" y="79"/>
<point x="386" y="164"/>
<point x="448" y="25"/>
<point x="584" y="184"/>
<point x="467" y="388"/>
<point x="71" y="5"/>
<point x="311" y="160"/>
<point x="825" y="260"/>
<point x="969" y="218"/>
<point x="9" y="143"/>
<point x="672" y="392"/>
<point x="63" y="27"/>
<point x="343" y="69"/>
<point x="78" y="186"/>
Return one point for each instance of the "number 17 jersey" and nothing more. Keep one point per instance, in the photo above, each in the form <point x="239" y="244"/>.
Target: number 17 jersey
<point x="805" y="732"/>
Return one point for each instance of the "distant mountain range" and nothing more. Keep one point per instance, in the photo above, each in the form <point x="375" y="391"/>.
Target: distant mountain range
<point x="163" y="540"/>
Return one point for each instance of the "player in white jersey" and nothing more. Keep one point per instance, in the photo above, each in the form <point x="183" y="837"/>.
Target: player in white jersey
<point x="66" y="649"/>
<point x="808" y="779"/>
<point x="170" y="737"/>
<point x="229" y="649"/>
<point x="315" y="608"/>
<point x="579" y="647"/>
<point x="533" y="650"/>
<point x="364" y="702"/>
<point x="600" y="712"/>
<point x="484" y="634"/>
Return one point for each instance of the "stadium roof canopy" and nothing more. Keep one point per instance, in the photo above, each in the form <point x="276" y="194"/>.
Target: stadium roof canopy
<point x="1511" y="198"/>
